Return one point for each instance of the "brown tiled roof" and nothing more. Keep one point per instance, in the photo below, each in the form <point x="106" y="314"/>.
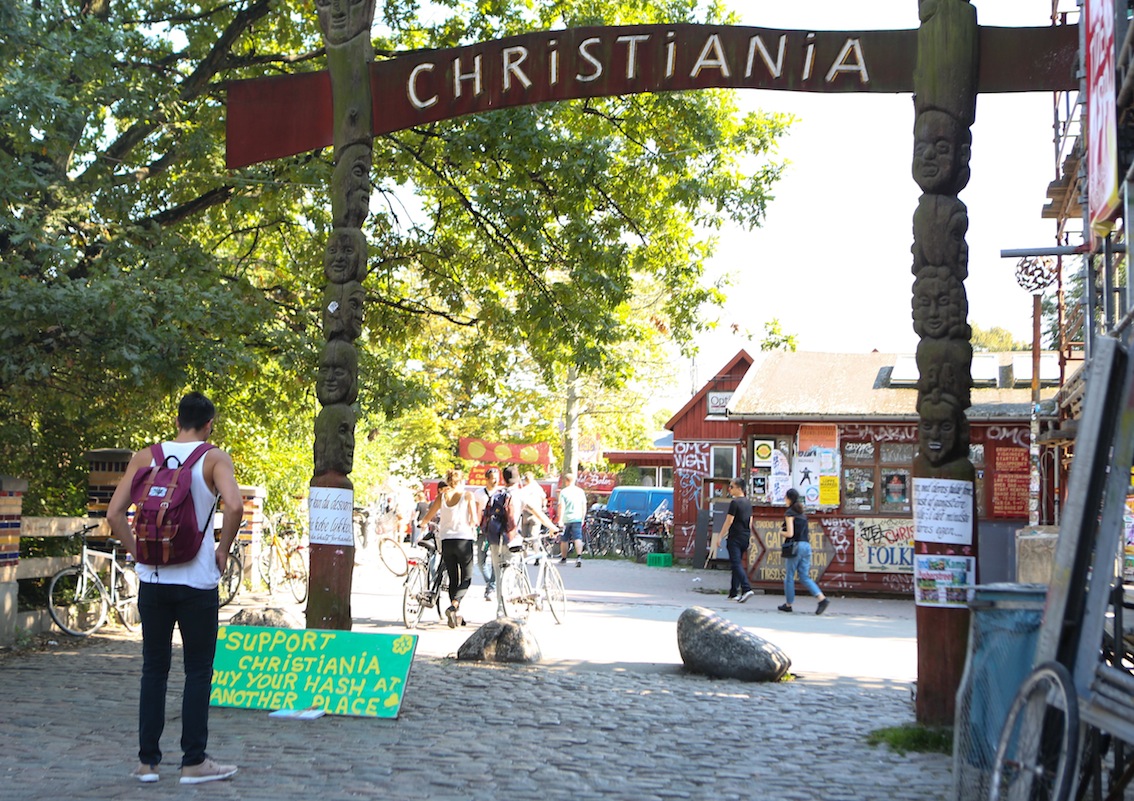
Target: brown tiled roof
<point x="803" y="385"/>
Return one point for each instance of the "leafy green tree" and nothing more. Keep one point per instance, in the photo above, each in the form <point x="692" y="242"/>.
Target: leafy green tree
<point x="135" y="266"/>
<point x="775" y="338"/>
<point x="995" y="340"/>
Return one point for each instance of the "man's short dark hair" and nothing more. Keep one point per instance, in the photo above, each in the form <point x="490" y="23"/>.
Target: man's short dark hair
<point x="511" y="475"/>
<point x="491" y="471"/>
<point x="194" y="411"/>
<point x="740" y="484"/>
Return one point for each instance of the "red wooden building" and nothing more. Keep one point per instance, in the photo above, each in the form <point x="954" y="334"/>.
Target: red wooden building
<point x="842" y="429"/>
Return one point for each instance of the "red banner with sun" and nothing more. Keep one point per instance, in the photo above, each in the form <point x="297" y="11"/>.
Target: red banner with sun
<point x="505" y="452"/>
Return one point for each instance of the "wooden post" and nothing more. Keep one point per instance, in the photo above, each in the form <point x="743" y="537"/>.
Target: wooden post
<point x="346" y="34"/>
<point x="945" y="79"/>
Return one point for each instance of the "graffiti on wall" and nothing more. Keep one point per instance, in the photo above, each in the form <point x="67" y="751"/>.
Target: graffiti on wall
<point x="883" y="545"/>
<point x="862" y="432"/>
<point x="691" y="466"/>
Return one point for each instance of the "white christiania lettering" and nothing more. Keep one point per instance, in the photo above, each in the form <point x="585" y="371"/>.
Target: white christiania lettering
<point x="718" y="60"/>
<point x="513" y="57"/>
<point x="583" y="45"/>
<point x="809" y="59"/>
<point x="670" y="55"/>
<point x="411" y="88"/>
<point x="474" y="76"/>
<point x="756" y="43"/>
<point x="632" y="52"/>
<point x="841" y="65"/>
<point x="553" y="63"/>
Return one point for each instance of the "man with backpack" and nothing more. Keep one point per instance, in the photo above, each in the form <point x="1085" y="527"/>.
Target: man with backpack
<point x="482" y="495"/>
<point x="501" y="523"/>
<point x="178" y="567"/>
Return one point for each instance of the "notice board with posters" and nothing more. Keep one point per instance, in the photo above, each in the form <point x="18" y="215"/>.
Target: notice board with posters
<point x="339" y="672"/>
<point x="1011" y="481"/>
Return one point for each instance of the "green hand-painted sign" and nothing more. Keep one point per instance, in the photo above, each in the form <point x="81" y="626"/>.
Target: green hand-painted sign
<point x="340" y="672"/>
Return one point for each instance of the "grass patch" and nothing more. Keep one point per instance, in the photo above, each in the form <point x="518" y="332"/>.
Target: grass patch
<point x="914" y="737"/>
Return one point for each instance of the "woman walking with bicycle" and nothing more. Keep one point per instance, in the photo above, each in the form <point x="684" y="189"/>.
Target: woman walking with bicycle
<point x="457" y="532"/>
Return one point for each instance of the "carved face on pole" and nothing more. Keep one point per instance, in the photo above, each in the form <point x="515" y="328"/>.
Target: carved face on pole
<point x="338" y="373"/>
<point x="334" y="440"/>
<point x="342" y="20"/>
<point x="350" y="186"/>
<point x="346" y="253"/>
<point x="944" y="367"/>
<point x="344" y="310"/>
<point x="942" y="147"/>
<point x="940" y="308"/>
<point x="940" y="434"/>
<point x="940" y="225"/>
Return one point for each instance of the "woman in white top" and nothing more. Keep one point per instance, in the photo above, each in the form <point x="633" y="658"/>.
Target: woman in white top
<point x="457" y="533"/>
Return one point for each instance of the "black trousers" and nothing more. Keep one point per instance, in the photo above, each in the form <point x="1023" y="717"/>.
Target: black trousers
<point x="457" y="556"/>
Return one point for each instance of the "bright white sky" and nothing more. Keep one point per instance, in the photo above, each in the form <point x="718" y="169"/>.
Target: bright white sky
<point x="832" y="260"/>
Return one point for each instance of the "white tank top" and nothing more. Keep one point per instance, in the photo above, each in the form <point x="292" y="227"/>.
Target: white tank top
<point x="454" y="523"/>
<point x="200" y="572"/>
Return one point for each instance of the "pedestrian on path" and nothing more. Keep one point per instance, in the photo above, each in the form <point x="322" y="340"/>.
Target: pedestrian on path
<point x="795" y="532"/>
<point x="456" y="530"/>
<point x="737" y="526"/>
<point x="505" y="540"/>
<point x="572" y="511"/>
<point x="183" y="594"/>
<point x="483" y="547"/>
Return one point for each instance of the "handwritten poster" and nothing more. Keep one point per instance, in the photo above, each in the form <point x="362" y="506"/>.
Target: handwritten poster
<point x="330" y="515"/>
<point x="941" y="580"/>
<point x="883" y="545"/>
<point x="340" y="672"/>
<point x="943" y="510"/>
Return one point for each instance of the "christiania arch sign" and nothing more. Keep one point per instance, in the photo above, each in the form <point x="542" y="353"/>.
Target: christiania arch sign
<point x="945" y="63"/>
<point x="433" y="85"/>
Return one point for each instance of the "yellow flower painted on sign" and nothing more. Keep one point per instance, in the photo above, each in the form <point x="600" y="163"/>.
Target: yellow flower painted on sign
<point x="403" y="645"/>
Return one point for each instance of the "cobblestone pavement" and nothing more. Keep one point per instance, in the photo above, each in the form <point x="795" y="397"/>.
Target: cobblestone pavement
<point x="579" y="728"/>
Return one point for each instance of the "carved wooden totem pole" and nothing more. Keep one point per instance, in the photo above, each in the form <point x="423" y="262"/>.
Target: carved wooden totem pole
<point x="945" y="82"/>
<point x="346" y="35"/>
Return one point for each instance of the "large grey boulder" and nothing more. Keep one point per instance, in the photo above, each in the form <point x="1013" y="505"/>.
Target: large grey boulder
<point x="501" y="640"/>
<point x="711" y="645"/>
<point x="269" y="616"/>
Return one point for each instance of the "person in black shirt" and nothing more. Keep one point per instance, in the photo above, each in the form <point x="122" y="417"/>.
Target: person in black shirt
<point x="795" y="530"/>
<point x="736" y="523"/>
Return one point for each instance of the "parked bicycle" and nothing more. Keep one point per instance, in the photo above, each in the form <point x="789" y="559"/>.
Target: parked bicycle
<point x="283" y="559"/>
<point x="520" y="594"/>
<point x="80" y="597"/>
<point x="610" y="533"/>
<point x="427" y="583"/>
<point x="233" y="574"/>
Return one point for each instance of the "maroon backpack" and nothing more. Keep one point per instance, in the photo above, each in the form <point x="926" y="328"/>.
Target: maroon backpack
<point x="165" y="518"/>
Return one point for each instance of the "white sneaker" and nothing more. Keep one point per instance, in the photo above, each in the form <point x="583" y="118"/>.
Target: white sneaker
<point x="745" y="596"/>
<point x="207" y="771"/>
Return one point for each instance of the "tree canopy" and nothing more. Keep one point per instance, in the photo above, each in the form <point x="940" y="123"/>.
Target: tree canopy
<point x="505" y="249"/>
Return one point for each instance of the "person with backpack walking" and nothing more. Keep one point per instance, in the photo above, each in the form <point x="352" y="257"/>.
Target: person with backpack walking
<point x="483" y="548"/>
<point x="797" y="555"/>
<point x="501" y="522"/>
<point x="179" y="566"/>
<point x="457" y="532"/>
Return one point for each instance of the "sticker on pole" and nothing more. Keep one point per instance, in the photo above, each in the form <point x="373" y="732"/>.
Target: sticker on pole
<point x="943" y="511"/>
<point x="340" y="672"/>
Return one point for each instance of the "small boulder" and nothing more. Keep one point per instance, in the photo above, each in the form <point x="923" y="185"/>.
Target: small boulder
<point x="269" y="616"/>
<point x="711" y="645"/>
<point x="501" y="640"/>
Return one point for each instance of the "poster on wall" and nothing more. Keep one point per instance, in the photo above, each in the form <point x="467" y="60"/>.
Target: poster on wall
<point x="943" y="510"/>
<point x="805" y="477"/>
<point x="779" y="481"/>
<point x="941" y="580"/>
<point x="883" y="545"/>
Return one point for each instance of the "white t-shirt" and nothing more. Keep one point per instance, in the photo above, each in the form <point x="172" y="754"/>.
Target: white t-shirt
<point x="200" y="572"/>
<point x="454" y="523"/>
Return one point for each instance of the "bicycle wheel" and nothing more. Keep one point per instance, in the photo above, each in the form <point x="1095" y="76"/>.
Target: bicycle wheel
<point x="230" y="580"/>
<point x="77" y="601"/>
<point x="417" y="585"/>
<point x="393" y="556"/>
<point x="266" y="563"/>
<point x="515" y="590"/>
<point x="1038" y="749"/>
<point x="555" y="593"/>
<point x="126" y="606"/>
<point x="295" y="575"/>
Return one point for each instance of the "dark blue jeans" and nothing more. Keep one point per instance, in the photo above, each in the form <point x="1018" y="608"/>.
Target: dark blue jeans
<point x="736" y="552"/>
<point x="195" y="614"/>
